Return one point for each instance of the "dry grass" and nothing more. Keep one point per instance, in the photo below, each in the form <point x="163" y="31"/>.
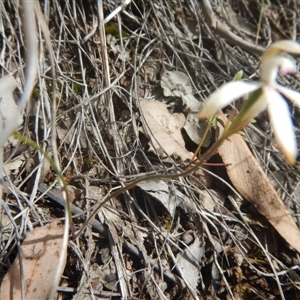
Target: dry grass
<point x="133" y="248"/>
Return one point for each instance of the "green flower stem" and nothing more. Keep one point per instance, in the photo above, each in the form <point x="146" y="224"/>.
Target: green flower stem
<point x="208" y="127"/>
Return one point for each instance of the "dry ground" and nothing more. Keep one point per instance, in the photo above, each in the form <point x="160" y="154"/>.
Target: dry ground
<point x="211" y="244"/>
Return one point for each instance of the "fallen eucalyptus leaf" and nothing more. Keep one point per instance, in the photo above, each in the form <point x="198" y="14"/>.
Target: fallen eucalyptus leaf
<point x="178" y="84"/>
<point x="188" y="262"/>
<point x="160" y="191"/>
<point x="195" y="130"/>
<point x="164" y="129"/>
<point x="40" y="254"/>
<point x="253" y="184"/>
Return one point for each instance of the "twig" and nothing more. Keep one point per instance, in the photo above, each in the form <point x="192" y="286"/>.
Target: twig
<point x="225" y="32"/>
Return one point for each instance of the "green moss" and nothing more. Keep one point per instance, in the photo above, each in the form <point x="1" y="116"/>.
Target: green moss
<point x="131" y="50"/>
<point x="36" y="93"/>
<point x="77" y="88"/>
<point x="90" y="161"/>
<point x="112" y="28"/>
<point x="167" y="219"/>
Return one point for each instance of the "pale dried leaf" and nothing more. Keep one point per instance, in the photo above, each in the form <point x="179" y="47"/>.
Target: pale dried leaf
<point x="12" y="142"/>
<point x="191" y="27"/>
<point x="195" y="130"/>
<point x="169" y="196"/>
<point x="116" y="48"/>
<point x="252" y="183"/>
<point x="14" y="165"/>
<point x="160" y="191"/>
<point x="178" y="84"/>
<point x="188" y="262"/>
<point x="192" y="103"/>
<point x="175" y="83"/>
<point x="108" y="215"/>
<point x="164" y="128"/>
<point x="211" y="198"/>
<point x="40" y="255"/>
<point x="70" y="134"/>
<point x="8" y="108"/>
<point x="215" y="278"/>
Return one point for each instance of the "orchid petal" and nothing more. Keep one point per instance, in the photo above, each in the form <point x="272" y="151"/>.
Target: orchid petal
<point x="226" y="94"/>
<point x="281" y="123"/>
<point x="287" y="46"/>
<point x="292" y="95"/>
<point x="270" y="67"/>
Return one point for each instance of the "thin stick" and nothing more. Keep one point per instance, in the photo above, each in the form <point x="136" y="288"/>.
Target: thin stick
<point x="131" y="185"/>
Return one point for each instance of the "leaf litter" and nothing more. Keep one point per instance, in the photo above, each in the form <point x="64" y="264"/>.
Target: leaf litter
<point x="178" y="84"/>
<point x="34" y="269"/>
<point x="151" y="236"/>
<point x="252" y="183"/>
<point x="164" y="129"/>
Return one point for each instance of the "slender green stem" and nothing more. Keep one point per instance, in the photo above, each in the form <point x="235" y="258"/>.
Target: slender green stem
<point x="259" y="20"/>
<point x="208" y="127"/>
<point x="35" y="146"/>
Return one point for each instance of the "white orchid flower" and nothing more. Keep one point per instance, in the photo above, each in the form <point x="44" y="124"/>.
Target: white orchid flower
<point x="267" y="94"/>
